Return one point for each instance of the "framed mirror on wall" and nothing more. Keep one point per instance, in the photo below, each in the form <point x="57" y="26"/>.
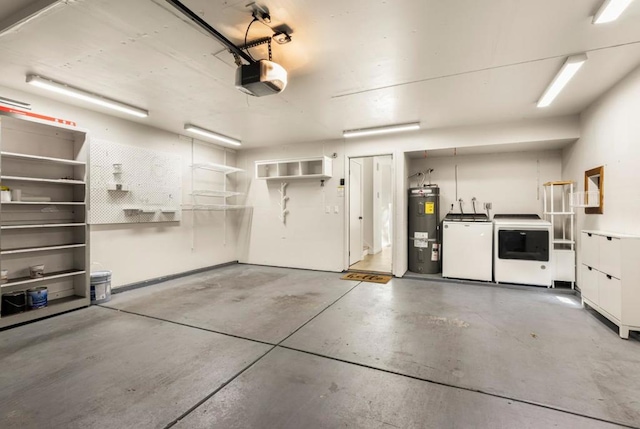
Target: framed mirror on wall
<point x="594" y="185"/>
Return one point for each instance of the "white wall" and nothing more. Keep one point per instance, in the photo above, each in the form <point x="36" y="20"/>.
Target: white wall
<point x="311" y="238"/>
<point x="315" y="240"/>
<point x="611" y="138"/>
<point x="512" y="181"/>
<point x="144" y="251"/>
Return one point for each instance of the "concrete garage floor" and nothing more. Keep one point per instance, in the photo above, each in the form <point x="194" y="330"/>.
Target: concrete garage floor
<point x="247" y="347"/>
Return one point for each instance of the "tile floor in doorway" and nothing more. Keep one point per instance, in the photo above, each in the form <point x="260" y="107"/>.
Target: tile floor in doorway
<point x="379" y="262"/>
<point x="259" y="347"/>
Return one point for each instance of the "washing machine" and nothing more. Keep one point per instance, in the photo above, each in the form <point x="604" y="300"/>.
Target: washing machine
<point x="467" y="247"/>
<point x="522" y="250"/>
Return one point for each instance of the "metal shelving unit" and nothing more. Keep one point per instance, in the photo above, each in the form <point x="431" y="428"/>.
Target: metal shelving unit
<point x="563" y="229"/>
<point x="47" y="163"/>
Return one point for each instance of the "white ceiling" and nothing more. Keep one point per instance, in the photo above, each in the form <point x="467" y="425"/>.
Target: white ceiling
<point x="352" y="63"/>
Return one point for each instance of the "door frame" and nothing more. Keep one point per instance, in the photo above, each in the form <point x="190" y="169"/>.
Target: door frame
<point x="347" y="211"/>
<point x="360" y="216"/>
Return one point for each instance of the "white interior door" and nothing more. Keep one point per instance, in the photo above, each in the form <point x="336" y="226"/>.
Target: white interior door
<point x="355" y="211"/>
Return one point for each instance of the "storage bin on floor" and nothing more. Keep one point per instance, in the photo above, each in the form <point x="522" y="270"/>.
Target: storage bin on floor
<point x="100" y="287"/>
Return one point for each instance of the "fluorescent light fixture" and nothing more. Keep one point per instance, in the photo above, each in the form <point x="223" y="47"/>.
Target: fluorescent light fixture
<point x="610" y="11"/>
<point x="568" y="70"/>
<point x="69" y="91"/>
<point x="15" y="103"/>
<point x="381" y="130"/>
<point x="212" y="135"/>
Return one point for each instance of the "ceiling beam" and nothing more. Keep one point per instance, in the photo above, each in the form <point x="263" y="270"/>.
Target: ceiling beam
<point x="26" y="14"/>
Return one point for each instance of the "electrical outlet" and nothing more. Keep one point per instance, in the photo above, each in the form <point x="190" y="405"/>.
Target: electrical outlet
<point x="327" y="209"/>
<point x="336" y="209"/>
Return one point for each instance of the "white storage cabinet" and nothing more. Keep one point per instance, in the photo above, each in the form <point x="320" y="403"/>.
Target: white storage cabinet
<point x="610" y="277"/>
<point x="47" y="224"/>
<point x="319" y="167"/>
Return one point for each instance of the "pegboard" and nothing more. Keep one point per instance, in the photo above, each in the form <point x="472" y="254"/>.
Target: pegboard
<point x="150" y="185"/>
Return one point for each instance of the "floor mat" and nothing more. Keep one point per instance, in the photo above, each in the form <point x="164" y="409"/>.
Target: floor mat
<point x="367" y="277"/>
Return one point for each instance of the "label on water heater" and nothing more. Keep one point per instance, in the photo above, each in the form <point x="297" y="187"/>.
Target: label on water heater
<point x="421" y="239"/>
<point x="429" y="208"/>
<point x="435" y="252"/>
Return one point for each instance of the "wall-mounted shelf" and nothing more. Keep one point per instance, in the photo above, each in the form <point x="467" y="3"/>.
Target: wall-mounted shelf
<point x="118" y="187"/>
<point x="25" y="157"/>
<point x="149" y="210"/>
<point x="319" y="167"/>
<point x="213" y="207"/>
<point x="225" y="194"/>
<point x="221" y="168"/>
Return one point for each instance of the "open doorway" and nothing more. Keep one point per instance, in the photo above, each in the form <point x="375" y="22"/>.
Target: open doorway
<point x="370" y="214"/>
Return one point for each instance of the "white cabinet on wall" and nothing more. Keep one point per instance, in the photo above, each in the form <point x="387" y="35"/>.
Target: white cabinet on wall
<point x="610" y="277"/>
<point x="44" y="221"/>
<point x="319" y="167"/>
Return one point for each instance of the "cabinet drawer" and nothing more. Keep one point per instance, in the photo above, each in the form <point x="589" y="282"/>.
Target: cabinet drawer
<point x="610" y="294"/>
<point x="589" y="249"/>
<point x="589" y="284"/>
<point x="609" y="255"/>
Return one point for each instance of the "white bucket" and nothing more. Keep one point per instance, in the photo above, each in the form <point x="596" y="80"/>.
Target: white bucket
<point x="100" y="287"/>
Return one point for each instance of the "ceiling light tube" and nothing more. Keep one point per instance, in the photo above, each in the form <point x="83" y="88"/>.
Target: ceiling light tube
<point x="610" y="11"/>
<point x="212" y="135"/>
<point x="381" y="130"/>
<point x="566" y="73"/>
<point x="70" y="91"/>
<point x="15" y="103"/>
